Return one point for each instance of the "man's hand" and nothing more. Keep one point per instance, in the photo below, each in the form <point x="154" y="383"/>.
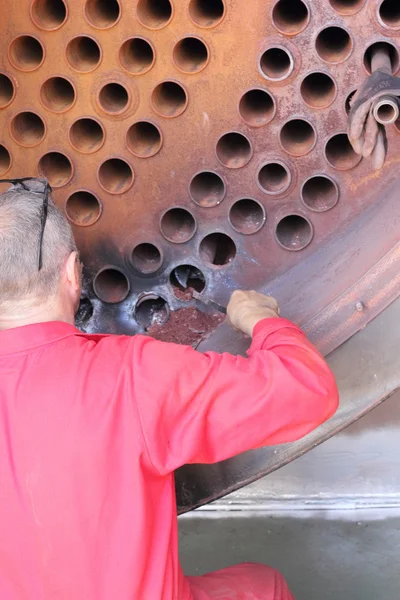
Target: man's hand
<point x="246" y="309"/>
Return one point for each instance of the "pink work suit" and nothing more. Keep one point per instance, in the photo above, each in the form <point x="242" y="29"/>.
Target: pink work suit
<point x="91" y="431"/>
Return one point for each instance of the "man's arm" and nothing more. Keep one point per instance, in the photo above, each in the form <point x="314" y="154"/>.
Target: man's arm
<point x="204" y="408"/>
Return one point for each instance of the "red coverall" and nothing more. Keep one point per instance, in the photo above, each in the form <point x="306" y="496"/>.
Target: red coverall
<point x="91" y="431"/>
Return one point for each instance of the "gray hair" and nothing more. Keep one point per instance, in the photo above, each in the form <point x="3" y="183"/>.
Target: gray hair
<point x="21" y="283"/>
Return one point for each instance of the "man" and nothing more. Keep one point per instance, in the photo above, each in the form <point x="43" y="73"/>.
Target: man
<point x="93" y="427"/>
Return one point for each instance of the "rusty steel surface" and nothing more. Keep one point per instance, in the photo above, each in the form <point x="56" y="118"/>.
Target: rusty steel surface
<point x="209" y="133"/>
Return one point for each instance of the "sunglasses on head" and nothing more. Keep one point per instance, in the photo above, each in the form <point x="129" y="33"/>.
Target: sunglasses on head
<point x="42" y="187"/>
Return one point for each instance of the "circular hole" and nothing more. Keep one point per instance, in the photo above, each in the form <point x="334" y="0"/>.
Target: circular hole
<point x="318" y="90"/>
<point x="83" y="54"/>
<point x="340" y="154"/>
<point x="298" y="137"/>
<point x="387" y="113"/>
<point x="234" y="150"/>
<point x="290" y="16"/>
<point x="137" y="56"/>
<point x="388" y="49"/>
<point x="113" y="98"/>
<point x="26" y="53"/>
<point x="48" y="14"/>
<point x="7" y="90"/>
<point x="27" y="129"/>
<point x="115" y="176"/>
<point x="154" y="14"/>
<point x="206" y="13"/>
<point x="274" y="178"/>
<point x="86" y="135"/>
<point x="5" y="159"/>
<point x="83" y="208"/>
<point x="84" y="314"/>
<point x="349" y="100"/>
<point x="333" y="45"/>
<point x="257" y="108"/>
<point x="169" y="99"/>
<point x="294" y="232"/>
<point x="151" y="310"/>
<point x="389" y="13"/>
<point x="247" y="216"/>
<point x="207" y="189"/>
<point x="56" y="167"/>
<point x="185" y="279"/>
<point x="144" y="139"/>
<point x="320" y="193"/>
<point x="178" y="225"/>
<point x="102" y="13"/>
<point x="57" y="94"/>
<point x="146" y="258"/>
<point x="276" y="64"/>
<point x="111" y="285"/>
<point x="347" y="7"/>
<point x="217" y="249"/>
<point x="190" y="55"/>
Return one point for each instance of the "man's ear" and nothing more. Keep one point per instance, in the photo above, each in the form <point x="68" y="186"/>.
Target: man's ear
<point x="72" y="271"/>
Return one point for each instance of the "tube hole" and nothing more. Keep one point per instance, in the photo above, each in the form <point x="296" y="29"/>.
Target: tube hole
<point x="83" y="208"/>
<point x="320" y="193"/>
<point x="7" y="90"/>
<point x="137" y="56"/>
<point x="115" y="176"/>
<point x="234" y="150"/>
<point x="111" y="285"/>
<point x="185" y="279"/>
<point x="334" y="45"/>
<point x="318" y="90"/>
<point x="207" y="189"/>
<point x="57" y="94"/>
<point x="388" y="48"/>
<point x="217" y="249"/>
<point x="151" y="310"/>
<point x="387" y="113"/>
<point x="84" y="314"/>
<point x="26" y="53"/>
<point x="389" y="13"/>
<point x="274" y="178"/>
<point x="83" y="54"/>
<point x="298" y="137"/>
<point x="154" y="14"/>
<point x="86" y="135"/>
<point x="190" y="55"/>
<point x="146" y="258"/>
<point x="257" y="108"/>
<point x="178" y="225"/>
<point x="113" y="98"/>
<point x="276" y="64"/>
<point x="206" y="13"/>
<point x="247" y="216"/>
<point x="5" y="159"/>
<point x="49" y="14"/>
<point x="144" y="139"/>
<point x="349" y="101"/>
<point x="27" y="129"/>
<point x="56" y="167"/>
<point x="102" y="14"/>
<point x="340" y="154"/>
<point x="347" y="7"/>
<point x="169" y="99"/>
<point x="294" y="232"/>
<point x="290" y="16"/>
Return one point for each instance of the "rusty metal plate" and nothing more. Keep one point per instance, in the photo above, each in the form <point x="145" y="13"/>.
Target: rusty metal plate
<point x="208" y="133"/>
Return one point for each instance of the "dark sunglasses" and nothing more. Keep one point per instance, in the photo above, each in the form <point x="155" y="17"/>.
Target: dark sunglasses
<point x="43" y="218"/>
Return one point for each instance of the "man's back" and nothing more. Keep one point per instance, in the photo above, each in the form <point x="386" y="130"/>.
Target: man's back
<point x="91" y="430"/>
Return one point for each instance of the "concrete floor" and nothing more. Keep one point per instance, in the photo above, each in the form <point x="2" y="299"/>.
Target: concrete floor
<point x="351" y="555"/>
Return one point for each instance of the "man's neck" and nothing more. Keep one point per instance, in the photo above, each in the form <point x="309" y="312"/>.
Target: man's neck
<point x="40" y="315"/>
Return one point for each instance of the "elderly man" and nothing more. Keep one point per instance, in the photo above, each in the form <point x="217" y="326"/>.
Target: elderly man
<point x="92" y="427"/>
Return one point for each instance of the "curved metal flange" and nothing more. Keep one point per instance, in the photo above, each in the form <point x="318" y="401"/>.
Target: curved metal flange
<point x="367" y="368"/>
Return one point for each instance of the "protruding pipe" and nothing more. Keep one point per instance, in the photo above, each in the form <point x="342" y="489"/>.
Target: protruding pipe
<point x="386" y="110"/>
<point x="380" y="59"/>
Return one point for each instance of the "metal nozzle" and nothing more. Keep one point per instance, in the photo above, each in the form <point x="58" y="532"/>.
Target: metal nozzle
<point x="386" y="110"/>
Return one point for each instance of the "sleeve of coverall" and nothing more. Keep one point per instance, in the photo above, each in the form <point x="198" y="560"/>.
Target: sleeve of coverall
<point x="204" y="408"/>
